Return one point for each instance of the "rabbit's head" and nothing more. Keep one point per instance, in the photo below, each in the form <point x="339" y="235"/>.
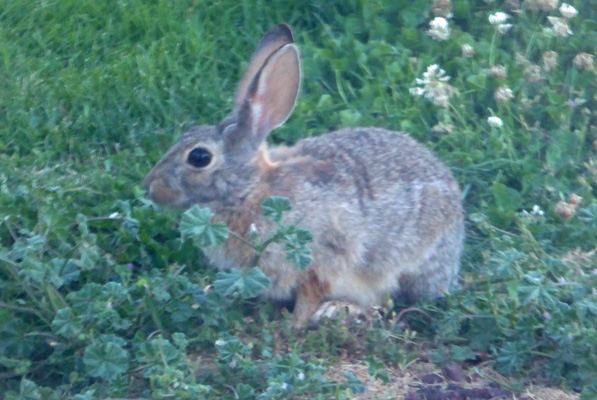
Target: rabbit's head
<point x="219" y="165"/>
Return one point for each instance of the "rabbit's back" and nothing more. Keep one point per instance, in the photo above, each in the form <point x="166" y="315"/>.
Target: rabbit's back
<point x="370" y="159"/>
<point x="382" y="207"/>
<point x="383" y="175"/>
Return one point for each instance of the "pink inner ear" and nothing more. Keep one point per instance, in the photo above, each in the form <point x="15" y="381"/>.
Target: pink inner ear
<point x="276" y="91"/>
<point x="273" y="40"/>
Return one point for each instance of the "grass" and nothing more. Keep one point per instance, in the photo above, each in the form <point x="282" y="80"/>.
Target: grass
<point x="100" y="296"/>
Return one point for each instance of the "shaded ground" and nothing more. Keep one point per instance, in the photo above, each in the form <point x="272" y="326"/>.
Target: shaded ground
<point x="424" y="381"/>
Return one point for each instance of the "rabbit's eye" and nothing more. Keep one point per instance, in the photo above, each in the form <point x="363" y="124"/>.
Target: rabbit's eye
<point x="199" y="157"/>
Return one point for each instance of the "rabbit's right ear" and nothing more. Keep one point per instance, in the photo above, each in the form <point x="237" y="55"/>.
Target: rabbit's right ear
<point x="270" y="97"/>
<point x="277" y="37"/>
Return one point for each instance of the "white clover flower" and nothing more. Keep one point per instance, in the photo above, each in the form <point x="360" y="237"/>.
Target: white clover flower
<point x="568" y="11"/>
<point x="560" y="26"/>
<point x="503" y="94"/>
<point x="439" y="29"/>
<point x="537" y="210"/>
<point x="439" y="23"/>
<point x="434" y="87"/>
<point x="503" y="28"/>
<point x="498" y="18"/>
<point x="417" y="91"/>
<point x="498" y="71"/>
<point x="495" y="122"/>
<point x="584" y="61"/>
<point x="467" y="50"/>
<point x="434" y="73"/>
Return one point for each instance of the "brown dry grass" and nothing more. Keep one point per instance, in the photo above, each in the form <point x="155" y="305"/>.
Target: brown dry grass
<point x="405" y="381"/>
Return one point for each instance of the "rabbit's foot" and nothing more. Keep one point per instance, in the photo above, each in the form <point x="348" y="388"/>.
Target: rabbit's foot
<point x="341" y="310"/>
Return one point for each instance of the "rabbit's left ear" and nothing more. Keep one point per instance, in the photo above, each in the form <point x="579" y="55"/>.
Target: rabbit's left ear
<point x="272" y="94"/>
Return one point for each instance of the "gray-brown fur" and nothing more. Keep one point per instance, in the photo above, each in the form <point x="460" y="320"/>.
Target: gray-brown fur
<point x="385" y="213"/>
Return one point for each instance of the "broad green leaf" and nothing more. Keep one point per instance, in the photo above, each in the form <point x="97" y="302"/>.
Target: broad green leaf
<point x="296" y="248"/>
<point x="36" y="271"/>
<point x="88" y="395"/>
<point x="231" y="347"/>
<point x="462" y="353"/>
<point x="300" y="256"/>
<point x="66" y="323"/>
<point x="248" y="283"/>
<point x="275" y="206"/>
<point x="357" y="386"/>
<point x="195" y="223"/>
<point x="89" y="256"/>
<point x="244" y="392"/>
<point x="106" y="361"/>
<point x="28" y="391"/>
<point x="507" y="262"/>
<point x="180" y="340"/>
<point x="303" y="236"/>
<point x="157" y="350"/>
<point x="15" y="340"/>
<point x="67" y="270"/>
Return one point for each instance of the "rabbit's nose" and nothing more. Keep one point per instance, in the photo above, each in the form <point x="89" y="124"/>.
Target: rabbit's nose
<point x="154" y="187"/>
<point x="160" y="192"/>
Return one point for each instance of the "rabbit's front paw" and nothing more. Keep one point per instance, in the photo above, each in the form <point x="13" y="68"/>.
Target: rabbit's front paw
<point x="342" y="310"/>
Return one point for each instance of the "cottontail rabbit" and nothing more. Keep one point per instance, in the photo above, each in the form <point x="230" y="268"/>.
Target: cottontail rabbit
<point x="385" y="213"/>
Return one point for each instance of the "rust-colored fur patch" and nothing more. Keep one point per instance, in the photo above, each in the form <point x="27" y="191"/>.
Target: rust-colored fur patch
<point x="310" y="293"/>
<point x="239" y="221"/>
<point x="266" y="165"/>
<point x="312" y="289"/>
